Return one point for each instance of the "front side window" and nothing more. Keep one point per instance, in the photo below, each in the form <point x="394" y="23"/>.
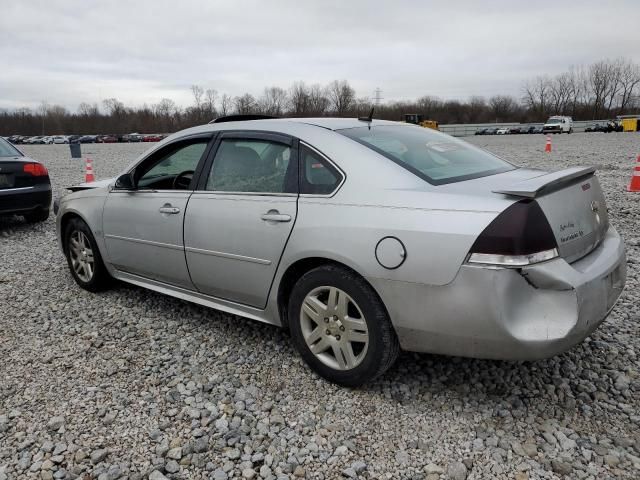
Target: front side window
<point x="432" y="156"/>
<point x="173" y="166"/>
<point x="253" y="166"/>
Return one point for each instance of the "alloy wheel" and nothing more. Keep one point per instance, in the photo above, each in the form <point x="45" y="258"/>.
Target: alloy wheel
<point x="334" y="328"/>
<point x="81" y="256"/>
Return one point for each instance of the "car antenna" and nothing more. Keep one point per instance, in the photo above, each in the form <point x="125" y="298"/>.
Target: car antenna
<point x="369" y="118"/>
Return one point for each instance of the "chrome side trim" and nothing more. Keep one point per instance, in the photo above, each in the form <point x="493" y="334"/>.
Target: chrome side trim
<point x="146" y="242"/>
<point x="199" y="298"/>
<point x="260" y="194"/>
<point x="232" y="256"/>
<point x="15" y="189"/>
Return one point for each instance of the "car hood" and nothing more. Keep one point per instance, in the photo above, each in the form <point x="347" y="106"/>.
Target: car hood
<point x="91" y="185"/>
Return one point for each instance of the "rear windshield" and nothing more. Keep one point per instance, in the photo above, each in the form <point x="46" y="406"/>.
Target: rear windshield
<point x="8" y="150"/>
<point x="432" y="156"/>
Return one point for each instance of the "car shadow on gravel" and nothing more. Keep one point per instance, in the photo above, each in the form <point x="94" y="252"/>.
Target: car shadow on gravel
<point x="412" y="375"/>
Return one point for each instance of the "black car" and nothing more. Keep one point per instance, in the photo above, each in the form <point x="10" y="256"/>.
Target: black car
<point x="25" y="188"/>
<point x="481" y="131"/>
<point x="88" y="139"/>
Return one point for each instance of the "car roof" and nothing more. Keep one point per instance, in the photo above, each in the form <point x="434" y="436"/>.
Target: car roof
<point x="284" y="124"/>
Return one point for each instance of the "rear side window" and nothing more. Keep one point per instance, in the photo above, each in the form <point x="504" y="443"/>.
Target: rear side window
<point x="432" y="156"/>
<point x="8" y="150"/>
<point x="318" y="176"/>
<point x="253" y="166"/>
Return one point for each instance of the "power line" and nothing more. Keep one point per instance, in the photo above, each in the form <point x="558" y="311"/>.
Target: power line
<point x="377" y="95"/>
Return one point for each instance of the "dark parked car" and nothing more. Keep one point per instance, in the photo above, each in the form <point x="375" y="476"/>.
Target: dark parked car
<point x="88" y="139"/>
<point x="106" y="139"/>
<point x="481" y="131"/>
<point x="491" y="131"/>
<point x="25" y="188"/>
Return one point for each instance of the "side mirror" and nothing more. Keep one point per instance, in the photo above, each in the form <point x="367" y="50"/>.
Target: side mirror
<point x="125" y="182"/>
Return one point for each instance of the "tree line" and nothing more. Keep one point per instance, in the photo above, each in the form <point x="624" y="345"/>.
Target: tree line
<point x="598" y="91"/>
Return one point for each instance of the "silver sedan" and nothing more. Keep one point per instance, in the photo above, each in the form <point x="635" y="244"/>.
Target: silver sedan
<point x="361" y="237"/>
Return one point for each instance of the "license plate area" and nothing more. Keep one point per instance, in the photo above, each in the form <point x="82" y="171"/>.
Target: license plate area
<point x="6" y="180"/>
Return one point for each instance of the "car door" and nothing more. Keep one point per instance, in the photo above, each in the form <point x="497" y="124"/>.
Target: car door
<point x="239" y="219"/>
<point x="143" y="227"/>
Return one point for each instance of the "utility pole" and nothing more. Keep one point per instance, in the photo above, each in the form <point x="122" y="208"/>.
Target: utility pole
<point x="377" y="95"/>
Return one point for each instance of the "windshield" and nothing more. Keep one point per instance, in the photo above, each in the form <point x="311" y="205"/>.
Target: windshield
<point x="8" y="150"/>
<point x="432" y="156"/>
<point x="553" y="120"/>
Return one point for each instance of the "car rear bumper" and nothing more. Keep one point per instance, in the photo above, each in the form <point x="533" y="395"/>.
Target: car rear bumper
<point x="26" y="199"/>
<point x="504" y="313"/>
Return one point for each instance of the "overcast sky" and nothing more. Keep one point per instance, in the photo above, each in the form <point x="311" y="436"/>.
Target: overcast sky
<point x="67" y="52"/>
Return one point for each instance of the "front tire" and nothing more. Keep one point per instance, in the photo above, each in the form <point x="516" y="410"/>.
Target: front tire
<point x="83" y="257"/>
<point x="341" y="327"/>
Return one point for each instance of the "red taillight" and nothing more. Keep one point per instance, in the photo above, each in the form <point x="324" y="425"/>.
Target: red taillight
<point x="35" y="169"/>
<point x="520" y="235"/>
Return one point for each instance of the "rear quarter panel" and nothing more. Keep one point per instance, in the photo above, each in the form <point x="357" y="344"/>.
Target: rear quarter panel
<point x="436" y="240"/>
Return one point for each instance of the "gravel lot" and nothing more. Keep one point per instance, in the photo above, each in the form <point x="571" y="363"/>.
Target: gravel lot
<point x="130" y="383"/>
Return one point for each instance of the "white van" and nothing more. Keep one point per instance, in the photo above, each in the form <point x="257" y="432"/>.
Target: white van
<point x="558" y="124"/>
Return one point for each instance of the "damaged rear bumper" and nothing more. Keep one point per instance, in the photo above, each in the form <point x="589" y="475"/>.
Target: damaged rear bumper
<point x="505" y="313"/>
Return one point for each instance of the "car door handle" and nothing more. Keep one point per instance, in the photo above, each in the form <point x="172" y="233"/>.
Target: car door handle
<point x="169" y="209"/>
<point x="275" y="216"/>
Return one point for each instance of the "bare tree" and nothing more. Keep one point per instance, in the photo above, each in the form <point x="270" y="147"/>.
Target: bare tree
<point x="629" y="83"/>
<point x="299" y="99"/>
<point x="341" y="96"/>
<point x="318" y="100"/>
<point x="197" y="92"/>
<point x="211" y="97"/>
<point x="245" y="104"/>
<point x="273" y="101"/>
<point x="502" y="107"/>
<point x="226" y="104"/>
<point x="114" y="107"/>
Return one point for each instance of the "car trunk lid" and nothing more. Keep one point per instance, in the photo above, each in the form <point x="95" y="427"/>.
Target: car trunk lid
<point x="574" y="205"/>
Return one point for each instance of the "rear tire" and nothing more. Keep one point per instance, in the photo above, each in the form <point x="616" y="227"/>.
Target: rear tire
<point x="83" y="257"/>
<point x="38" y="215"/>
<point x="335" y="312"/>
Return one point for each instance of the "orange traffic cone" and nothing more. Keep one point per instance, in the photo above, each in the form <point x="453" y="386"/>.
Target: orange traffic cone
<point x="88" y="176"/>
<point x="634" y="186"/>
<point x="547" y="147"/>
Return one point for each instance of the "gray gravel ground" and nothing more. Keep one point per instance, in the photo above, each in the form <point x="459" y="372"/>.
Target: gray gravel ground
<point x="131" y="383"/>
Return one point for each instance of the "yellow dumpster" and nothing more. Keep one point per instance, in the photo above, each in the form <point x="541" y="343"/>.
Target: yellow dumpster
<point x="629" y="124"/>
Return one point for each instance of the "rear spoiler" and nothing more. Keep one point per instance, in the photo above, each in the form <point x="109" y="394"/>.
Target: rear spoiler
<point x="533" y="187"/>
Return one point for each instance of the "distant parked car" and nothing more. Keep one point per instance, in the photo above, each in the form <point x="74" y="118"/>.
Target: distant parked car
<point x="481" y="131"/>
<point x="88" y="139"/>
<point x="135" y="137"/>
<point x="60" y="139"/>
<point x="106" y="139"/>
<point x="74" y="138"/>
<point x="25" y="188"/>
<point x="515" y="130"/>
<point x="502" y="131"/>
<point x="152" y="138"/>
<point x="491" y="131"/>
